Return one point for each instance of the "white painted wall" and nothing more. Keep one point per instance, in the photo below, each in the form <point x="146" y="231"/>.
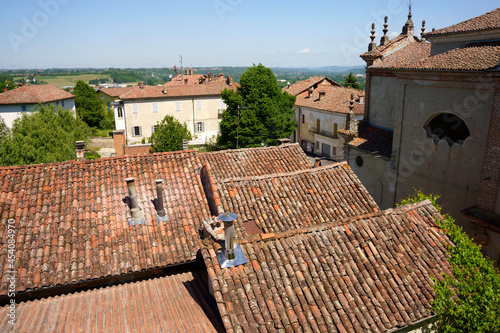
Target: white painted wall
<point x="11" y="112"/>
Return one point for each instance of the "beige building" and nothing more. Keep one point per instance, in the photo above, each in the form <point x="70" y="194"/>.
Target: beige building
<point x="321" y="109"/>
<point x="197" y="103"/>
<point x="433" y="109"/>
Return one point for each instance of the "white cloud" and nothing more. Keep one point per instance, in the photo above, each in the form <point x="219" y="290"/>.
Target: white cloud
<point x="304" y="51"/>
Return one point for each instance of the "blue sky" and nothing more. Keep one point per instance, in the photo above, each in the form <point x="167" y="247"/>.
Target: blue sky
<point x="153" y="33"/>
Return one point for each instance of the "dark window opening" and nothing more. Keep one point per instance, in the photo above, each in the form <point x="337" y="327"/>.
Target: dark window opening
<point x="449" y="127"/>
<point x="359" y="161"/>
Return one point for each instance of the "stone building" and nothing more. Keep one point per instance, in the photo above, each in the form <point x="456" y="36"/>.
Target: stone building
<point x="433" y="109"/>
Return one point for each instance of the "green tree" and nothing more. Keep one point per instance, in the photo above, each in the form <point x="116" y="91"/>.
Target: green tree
<point x="468" y="301"/>
<point x="257" y="113"/>
<point x="6" y="81"/>
<point x="4" y="130"/>
<point x="45" y="135"/>
<point x="169" y="134"/>
<point x="88" y="106"/>
<point x="351" y="82"/>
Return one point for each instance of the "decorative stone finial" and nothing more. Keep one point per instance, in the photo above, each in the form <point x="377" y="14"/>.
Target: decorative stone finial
<point x="423" y="30"/>
<point x="408" y="28"/>
<point x="351" y="103"/>
<point x="372" y="45"/>
<point x="352" y="124"/>
<point x="385" y="39"/>
<point x="433" y="29"/>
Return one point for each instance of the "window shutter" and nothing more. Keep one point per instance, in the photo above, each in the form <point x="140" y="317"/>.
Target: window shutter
<point x="135" y="108"/>
<point x="154" y="107"/>
<point x="198" y="105"/>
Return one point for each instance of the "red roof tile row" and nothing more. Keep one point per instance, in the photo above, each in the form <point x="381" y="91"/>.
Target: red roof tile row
<point x="375" y="140"/>
<point x="312" y="82"/>
<point x="178" y="302"/>
<point x="43" y="93"/>
<point x="370" y="274"/>
<point x="116" y="92"/>
<point x="250" y="162"/>
<point x="335" y="99"/>
<point x="208" y="89"/>
<point x="487" y="21"/>
<point x="287" y="201"/>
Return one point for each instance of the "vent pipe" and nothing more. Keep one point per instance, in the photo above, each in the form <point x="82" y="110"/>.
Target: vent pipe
<point x="160" y="210"/>
<point x="228" y="219"/>
<point x="134" y="206"/>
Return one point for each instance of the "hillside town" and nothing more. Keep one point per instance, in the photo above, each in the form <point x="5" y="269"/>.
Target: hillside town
<point x="210" y="204"/>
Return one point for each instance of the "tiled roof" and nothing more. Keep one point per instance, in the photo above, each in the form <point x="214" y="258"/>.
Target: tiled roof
<point x="179" y="302"/>
<point x="375" y="140"/>
<point x="302" y="86"/>
<point x="116" y="92"/>
<point x="43" y="93"/>
<point x="369" y="274"/>
<point x="471" y="57"/>
<point x="393" y="45"/>
<point x="208" y="89"/>
<point x="488" y="21"/>
<point x="192" y="79"/>
<point x="287" y="201"/>
<point x="481" y="215"/>
<point x="336" y="99"/>
<point x="259" y="161"/>
<point x="405" y="56"/>
<point x="71" y="223"/>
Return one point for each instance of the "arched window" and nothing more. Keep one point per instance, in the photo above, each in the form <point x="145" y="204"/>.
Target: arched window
<point x="120" y="112"/>
<point x="449" y="127"/>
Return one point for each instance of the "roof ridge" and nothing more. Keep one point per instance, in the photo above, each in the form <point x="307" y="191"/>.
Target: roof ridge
<point x="285" y="145"/>
<point x="73" y="162"/>
<point x="285" y="174"/>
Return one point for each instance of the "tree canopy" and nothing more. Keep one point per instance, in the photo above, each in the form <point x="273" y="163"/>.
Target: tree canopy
<point x="351" y="82"/>
<point x="47" y="134"/>
<point x="4" y="130"/>
<point x="88" y="106"/>
<point x="6" y="81"/>
<point x="169" y="134"/>
<point x="257" y="113"/>
<point x="468" y="301"/>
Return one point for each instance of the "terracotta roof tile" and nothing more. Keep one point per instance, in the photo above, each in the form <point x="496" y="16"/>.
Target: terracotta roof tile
<point x="43" y="93"/>
<point x="287" y="201"/>
<point x="259" y="161"/>
<point x="371" y="273"/>
<point x="336" y="99"/>
<point x="116" y="92"/>
<point x="302" y="86"/>
<point x="374" y="139"/>
<point x="488" y="21"/>
<point x="176" y="302"/>
<point x="405" y="56"/>
<point x="71" y="223"/>
<point x="208" y="89"/>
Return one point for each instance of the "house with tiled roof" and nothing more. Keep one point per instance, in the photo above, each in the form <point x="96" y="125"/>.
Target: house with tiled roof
<point x="431" y="121"/>
<point x="372" y="272"/>
<point x="110" y="95"/>
<point x="197" y="103"/>
<point x="14" y="103"/>
<point x="321" y="111"/>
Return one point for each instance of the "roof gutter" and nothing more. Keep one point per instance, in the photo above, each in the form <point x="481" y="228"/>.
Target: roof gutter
<point x="424" y="322"/>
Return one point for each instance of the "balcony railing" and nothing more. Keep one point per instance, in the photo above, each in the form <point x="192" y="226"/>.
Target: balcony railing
<point x="322" y="133"/>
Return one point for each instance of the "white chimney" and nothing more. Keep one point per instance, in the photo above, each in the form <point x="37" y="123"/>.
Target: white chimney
<point x="80" y="150"/>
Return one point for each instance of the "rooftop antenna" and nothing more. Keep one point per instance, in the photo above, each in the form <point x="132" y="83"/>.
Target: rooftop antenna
<point x="182" y="69"/>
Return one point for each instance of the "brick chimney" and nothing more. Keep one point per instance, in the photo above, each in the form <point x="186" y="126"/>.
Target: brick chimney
<point x="229" y="80"/>
<point x="309" y="92"/>
<point x="80" y="150"/>
<point x="119" y="140"/>
<point x="186" y="81"/>
<point x="141" y="84"/>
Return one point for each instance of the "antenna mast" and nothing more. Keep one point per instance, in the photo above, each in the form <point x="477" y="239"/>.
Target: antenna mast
<point x="182" y="69"/>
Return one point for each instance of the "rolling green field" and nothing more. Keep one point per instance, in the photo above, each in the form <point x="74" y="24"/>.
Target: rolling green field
<point x="61" y="81"/>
